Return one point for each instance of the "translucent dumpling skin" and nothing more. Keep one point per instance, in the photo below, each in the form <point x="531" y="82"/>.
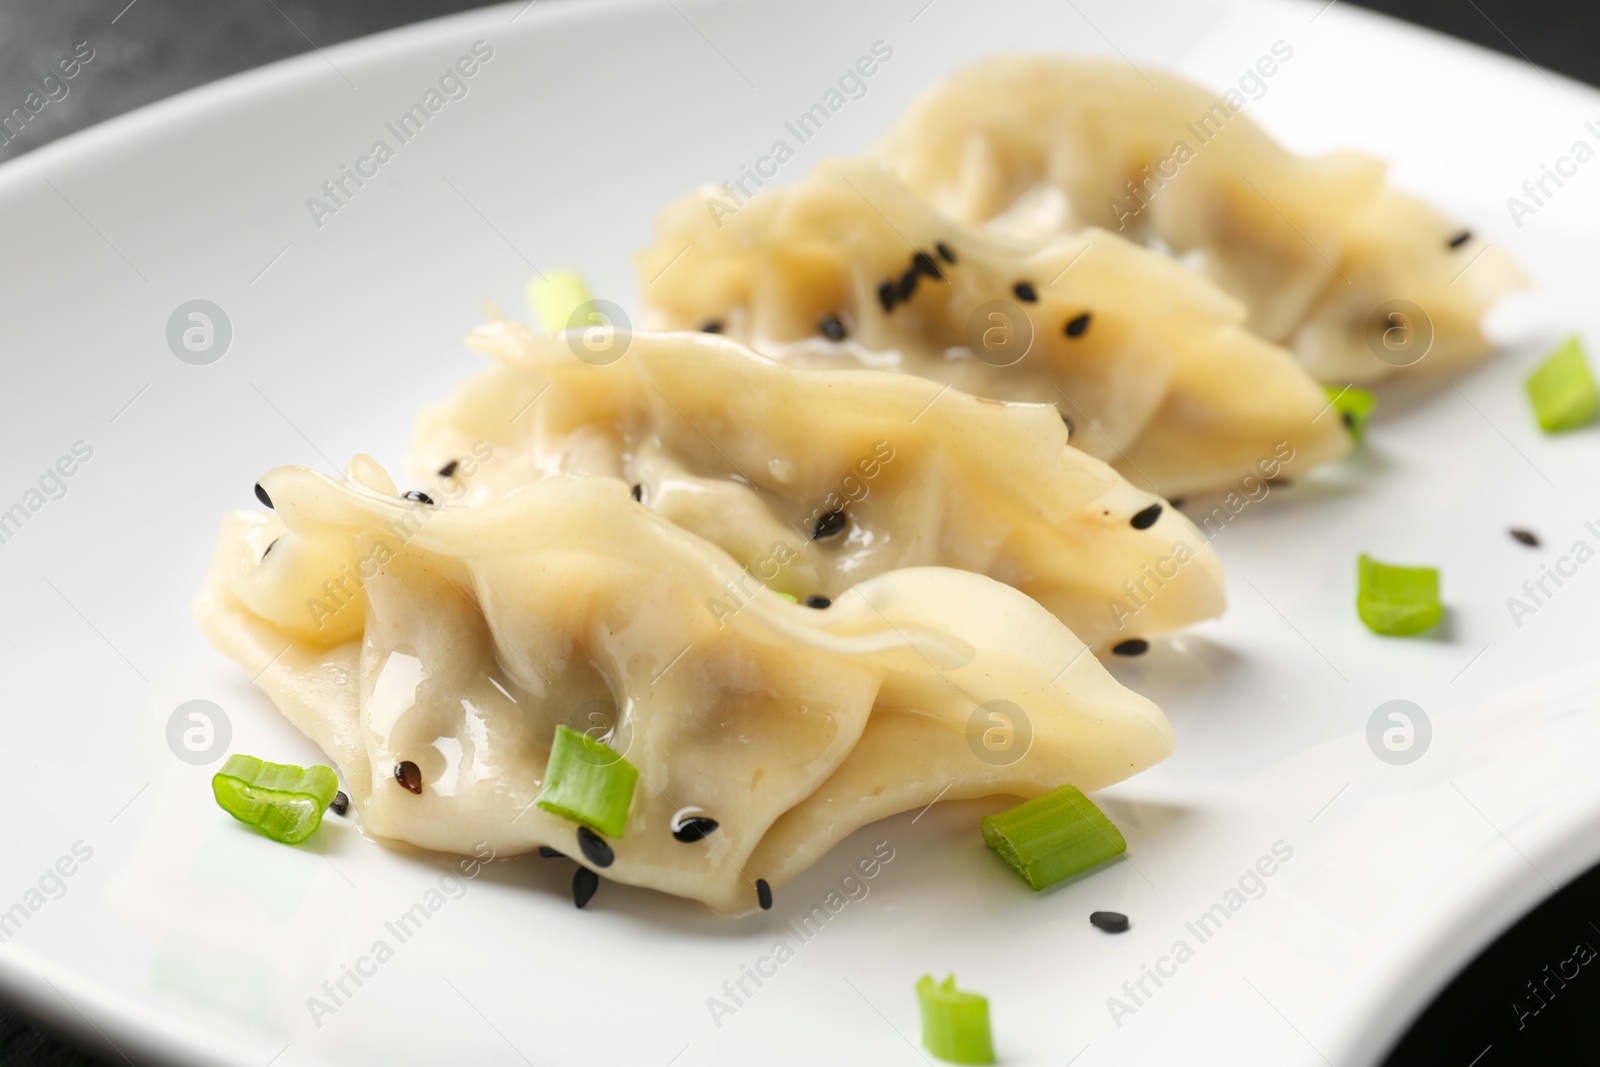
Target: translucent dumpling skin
<point x="1315" y="247"/>
<point x="815" y="480"/>
<point x="458" y="638"/>
<point x="1150" y="363"/>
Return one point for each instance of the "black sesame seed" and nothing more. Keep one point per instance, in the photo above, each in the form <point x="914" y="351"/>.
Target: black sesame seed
<point x="548" y="853"/>
<point x="1133" y="646"/>
<point x="594" y="848"/>
<point x="449" y="468"/>
<point x="1461" y="238"/>
<point x="816" y="601"/>
<point x="261" y="495"/>
<point x="908" y="285"/>
<point x="1112" y="922"/>
<point x="763" y="894"/>
<point x="638" y="494"/>
<point x="1177" y="501"/>
<point x="341" y="803"/>
<point x="711" y="327"/>
<point x="1146" y="517"/>
<point x="1280" y="483"/>
<point x="886" y="292"/>
<point x="1349" y="418"/>
<point x="829" y="525"/>
<point x="1025" y="293"/>
<point x="268" y="552"/>
<point x="409" y="776"/>
<point x="924" y="264"/>
<point x="584" y="883"/>
<point x="831" y="327"/>
<point x="944" y="252"/>
<point x="418" y="496"/>
<point x="694" y="828"/>
<point x="1527" y="537"/>
<point x="1076" y="327"/>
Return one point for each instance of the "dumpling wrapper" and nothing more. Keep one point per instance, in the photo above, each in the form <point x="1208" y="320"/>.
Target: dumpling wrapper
<point x="460" y="636"/>
<point x="1163" y="381"/>
<point x="751" y="454"/>
<point x="1314" y="247"/>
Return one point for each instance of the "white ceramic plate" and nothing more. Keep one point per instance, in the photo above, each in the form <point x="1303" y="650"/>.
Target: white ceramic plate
<point x="182" y="938"/>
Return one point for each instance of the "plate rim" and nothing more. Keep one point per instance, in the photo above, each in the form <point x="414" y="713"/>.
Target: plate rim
<point x="37" y="984"/>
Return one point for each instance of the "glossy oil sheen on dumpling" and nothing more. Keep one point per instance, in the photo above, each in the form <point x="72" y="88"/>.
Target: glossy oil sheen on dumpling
<point x="1315" y="247"/>
<point x="753" y="455"/>
<point x="457" y="638"/>
<point x="1148" y="361"/>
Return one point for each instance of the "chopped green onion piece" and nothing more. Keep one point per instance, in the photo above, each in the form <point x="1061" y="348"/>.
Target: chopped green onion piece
<point x="555" y="296"/>
<point x="281" y="800"/>
<point x="790" y="597"/>
<point x="1354" y="407"/>
<point x="1562" y="389"/>
<point x="1053" y="837"/>
<point x="1398" y="601"/>
<point x="955" y="1025"/>
<point x="588" y="782"/>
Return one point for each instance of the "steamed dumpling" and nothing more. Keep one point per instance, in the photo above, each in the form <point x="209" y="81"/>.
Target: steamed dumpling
<point x="1316" y="248"/>
<point x="457" y="638"/>
<point x="913" y="714"/>
<point x="1148" y="362"/>
<point x="818" y="480"/>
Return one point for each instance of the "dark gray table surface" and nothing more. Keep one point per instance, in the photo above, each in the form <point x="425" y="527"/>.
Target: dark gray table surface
<point x="150" y="49"/>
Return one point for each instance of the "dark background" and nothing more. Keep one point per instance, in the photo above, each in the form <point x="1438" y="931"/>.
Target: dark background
<point x="160" y="47"/>
<point x="155" y="48"/>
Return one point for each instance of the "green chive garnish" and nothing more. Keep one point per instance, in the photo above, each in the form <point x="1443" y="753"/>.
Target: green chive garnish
<point x="1398" y="601"/>
<point x="588" y="782"/>
<point x="1562" y="389"/>
<point x="1354" y="407"/>
<point x="955" y="1025"/>
<point x="281" y="800"/>
<point x="790" y="597"/>
<point x="1053" y="837"/>
<point x="555" y="296"/>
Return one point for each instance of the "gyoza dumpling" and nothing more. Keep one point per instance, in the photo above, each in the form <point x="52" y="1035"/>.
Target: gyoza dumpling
<point x="1316" y="248"/>
<point x="913" y="713"/>
<point x="457" y="638"/>
<point x="1149" y="362"/>
<point x="816" y="480"/>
